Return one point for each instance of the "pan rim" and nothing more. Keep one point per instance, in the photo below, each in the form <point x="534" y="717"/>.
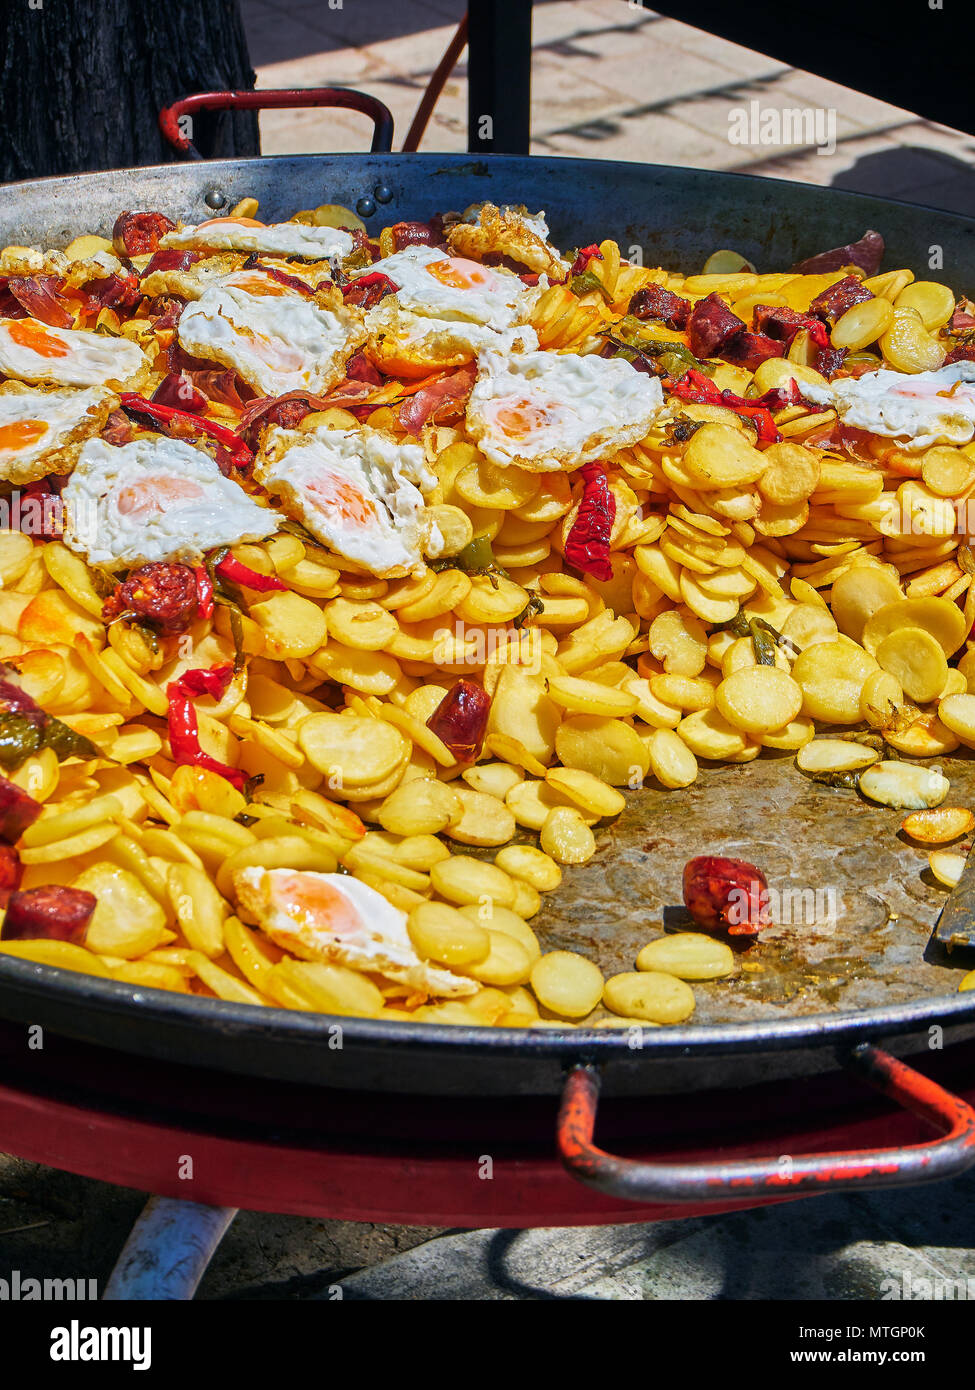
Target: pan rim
<point x="111" y="998"/>
<point x="454" y="162"/>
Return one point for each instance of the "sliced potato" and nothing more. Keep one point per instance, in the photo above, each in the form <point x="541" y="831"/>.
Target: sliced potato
<point x="904" y="785"/>
<point x="940" y="826"/>
<point x="834" y="755"/>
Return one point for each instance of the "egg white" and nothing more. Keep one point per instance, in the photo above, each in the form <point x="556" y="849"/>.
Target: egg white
<point x="62" y="413"/>
<point x="287" y="238"/>
<point x="498" y="299"/>
<point x="361" y="930"/>
<point x="277" y="343"/>
<point x="900" y="405"/>
<point x="107" y="521"/>
<point x="356" y="491"/>
<point x="84" y="359"/>
<point x="591" y="407"/>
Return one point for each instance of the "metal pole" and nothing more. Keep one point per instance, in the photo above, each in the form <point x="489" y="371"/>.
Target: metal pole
<point x="499" y="76"/>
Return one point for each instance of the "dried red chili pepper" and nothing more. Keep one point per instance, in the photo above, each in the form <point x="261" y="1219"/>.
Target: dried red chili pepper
<point x="587" y="546"/>
<point x="204" y="592"/>
<point x="239" y="573"/>
<point x="460" y="720"/>
<point x="241" y="455"/>
<point x="184" y="739"/>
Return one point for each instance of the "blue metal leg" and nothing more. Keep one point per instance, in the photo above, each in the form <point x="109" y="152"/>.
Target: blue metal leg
<point x="168" y="1251"/>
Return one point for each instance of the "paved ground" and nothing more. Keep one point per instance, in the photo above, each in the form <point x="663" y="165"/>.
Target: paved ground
<point x="609" y="82"/>
<point x="595" y="62"/>
<point x="836" y="1248"/>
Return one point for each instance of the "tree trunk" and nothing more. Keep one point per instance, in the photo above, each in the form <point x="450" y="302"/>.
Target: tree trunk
<point x="82" y="81"/>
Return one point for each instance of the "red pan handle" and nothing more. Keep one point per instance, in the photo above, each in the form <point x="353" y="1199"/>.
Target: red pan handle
<point x="378" y="113"/>
<point x="764" y="1178"/>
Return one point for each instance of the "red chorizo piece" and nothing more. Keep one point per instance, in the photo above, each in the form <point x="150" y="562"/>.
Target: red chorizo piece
<point x="829" y="360"/>
<point x="11" y="873"/>
<point x="55" y="912"/>
<point x="118" y="428"/>
<point x="867" y="253"/>
<point x="965" y="353"/>
<point x="654" y="302"/>
<point x="415" y="234"/>
<point x="164" y="595"/>
<point x="836" y="299"/>
<point x="710" y="326"/>
<point x="17" y="810"/>
<point x="779" y="322"/>
<point x="460" y="720"/>
<point x="750" y="350"/>
<point x="171" y="260"/>
<point x="139" y="233"/>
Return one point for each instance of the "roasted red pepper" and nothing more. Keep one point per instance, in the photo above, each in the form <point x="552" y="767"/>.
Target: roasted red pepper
<point x="204" y="592"/>
<point x="239" y="573"/>
<point x="694" y="386"/>
<point x="587" y="546"/>
<point x="367" y="290"/>
<point x="460" y="720"/>
<point x="584" y="255"/>
<point x="204" y="682"/>
<point x="184" y="738"/>
<point x="240" y="455"/>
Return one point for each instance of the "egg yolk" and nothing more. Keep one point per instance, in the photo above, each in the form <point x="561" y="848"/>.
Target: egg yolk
<point x="21" y="434"/>
<point x="318" y="903"/>
<point x="458" y="274"/>
<point x="257" y="285"/>
<point x="38" y="338"/>
<point x="334" y="493"/>
<point x="155" y="494"/>
<point x="520" y="418"/>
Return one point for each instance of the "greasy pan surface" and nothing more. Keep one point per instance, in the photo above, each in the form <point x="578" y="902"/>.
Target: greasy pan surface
<point x="853" y="967"/>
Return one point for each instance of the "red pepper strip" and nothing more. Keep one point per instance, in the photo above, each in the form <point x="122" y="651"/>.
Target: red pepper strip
<point x="583" y="257"/>
<point x="694" y="386"/>
<point x="204" y="682"/>
<point x="184" y="739"/>
<point x="587" y="546"/>
<point x="241" y="456"/>
<point x="204" y="592"/>
<point x="239" y="573"/>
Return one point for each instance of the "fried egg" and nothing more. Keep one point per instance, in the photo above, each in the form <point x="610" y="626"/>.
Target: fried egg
<point x="545" y="410"/>
<point x="277" y="343"/>
<point x="31" y="351"/>
<point x="226" y="272"/>
<point x="156" y="499"/>
<point x="440" y="286"/>
<point x="335" y="918"/>
<point x="42" y="431"/>
<point x="922" y="408"/>
<point x="356" y="491"/>
<point x="402" y="343"/>
<point x="244" y="234"/>
<point x="507" y="231"/>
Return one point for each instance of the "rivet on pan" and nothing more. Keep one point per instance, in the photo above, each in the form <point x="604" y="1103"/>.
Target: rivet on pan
<point x="365" y="207"/>
<point x="214" y="198"/>
<point x="383" y="192"/>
